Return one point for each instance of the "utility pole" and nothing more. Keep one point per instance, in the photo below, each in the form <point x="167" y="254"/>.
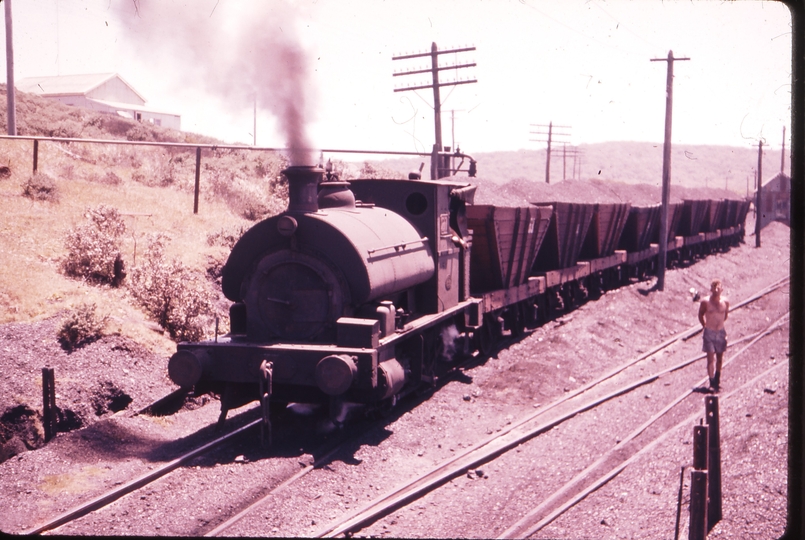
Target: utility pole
<point x="758" y="199"/>
<point x="11" y="113"/>
<point x="437" y="168"/>
<point x="666" y="167"/>
<point x="782" y="154"/>
<point x="572" y="152"/>
<point x="453" y="126"/>
<point x="549" y="134"/>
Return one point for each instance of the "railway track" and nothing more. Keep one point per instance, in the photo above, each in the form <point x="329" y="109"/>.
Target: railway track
<point x="575" y="489"/>
<point x="482" y="452"/>
<point x="515" y="435"/>
<point x="501" y="442"/>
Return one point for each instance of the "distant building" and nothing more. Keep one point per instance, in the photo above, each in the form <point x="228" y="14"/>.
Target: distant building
<point x="105" y="92"/>
<point x="775" y="200"/>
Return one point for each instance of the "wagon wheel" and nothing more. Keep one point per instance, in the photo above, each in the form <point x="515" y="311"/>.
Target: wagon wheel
<point x="517" y="322"/>
<point x="488" y="334"/>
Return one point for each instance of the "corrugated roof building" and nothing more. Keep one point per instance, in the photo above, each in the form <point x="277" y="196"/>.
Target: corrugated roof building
<point x="105" y="92"/>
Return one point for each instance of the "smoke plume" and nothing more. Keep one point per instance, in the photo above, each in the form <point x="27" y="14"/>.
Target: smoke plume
<point x="239" y="53"/>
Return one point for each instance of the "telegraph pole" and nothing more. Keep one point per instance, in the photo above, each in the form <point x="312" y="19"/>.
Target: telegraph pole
<point x="782" y="154"/>
<point x="666" y="167"/>
<point x="436" y="166"/>
<point x="11" y="113"/>
<point x="572" y="152"/>
<point x="549" y="134"/>
<point x="758" y="199"/>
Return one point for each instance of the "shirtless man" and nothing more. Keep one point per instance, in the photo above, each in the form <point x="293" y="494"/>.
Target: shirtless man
<point x="712" y="314"/>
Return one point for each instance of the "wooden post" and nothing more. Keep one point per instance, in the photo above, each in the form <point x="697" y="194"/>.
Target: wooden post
<point x="198" y="179"/>
<point x="713" y="462"/>
<point x="548" y="155"/>
<point x="49" y="403"/>
<point x="36" y="154"/>
<point x="697" y="529"/>
<point x="698" y="505"/>
<point x="11" y="114"/>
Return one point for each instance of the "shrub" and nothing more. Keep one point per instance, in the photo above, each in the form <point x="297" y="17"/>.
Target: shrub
<point x="373" y="170"/>
<point x="81" y="326"/>
<point x="109" y="178"/>
<point x="93" y="249"/>
<point x="139" y="132"/>
<point x="226" y="237"/>
<point x="176" y="296"/>
<point x="41" y="187"/>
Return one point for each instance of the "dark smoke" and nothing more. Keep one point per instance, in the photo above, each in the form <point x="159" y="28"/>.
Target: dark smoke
<point x="237" y="52"/>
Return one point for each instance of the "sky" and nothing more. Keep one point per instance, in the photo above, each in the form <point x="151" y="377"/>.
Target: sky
<point x="321" y="71"/>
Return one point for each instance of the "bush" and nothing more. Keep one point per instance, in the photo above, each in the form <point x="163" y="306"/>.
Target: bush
<point x="177" y="297"/>
<point x="80" y="327"/>
<point x="93" y="249"/>
<point x="226" y="237"/>
<point x="109" y="179"/>
<point x="41" y="187"/>
<point x="139" y="132"/>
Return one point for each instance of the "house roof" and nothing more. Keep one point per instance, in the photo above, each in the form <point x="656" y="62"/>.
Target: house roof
<point x="779" y="177"/>
<point x="129" y="107"/>
<point x="62" y="85"/>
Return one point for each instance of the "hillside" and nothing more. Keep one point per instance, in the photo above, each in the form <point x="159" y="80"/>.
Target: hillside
<point x="152" y="190"/>
<point x="692" y="166"/>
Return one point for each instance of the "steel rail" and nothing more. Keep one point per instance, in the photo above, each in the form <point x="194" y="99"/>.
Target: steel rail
<point x="145" y="479"/>
<point x="280" y="488"/>
<point x="478" y="455"/>
<point x="161" y="401"/>
<point x="617" y="470"/>
<point x="516" y="530"/>
<point x="452" y="468"/>
<point x="307" y="469"/>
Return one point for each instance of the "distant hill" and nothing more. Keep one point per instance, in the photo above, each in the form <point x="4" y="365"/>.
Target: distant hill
<point x="692" y="166"/>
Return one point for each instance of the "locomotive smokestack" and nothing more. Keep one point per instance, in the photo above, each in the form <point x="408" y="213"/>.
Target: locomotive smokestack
<point x="303" y="182"/>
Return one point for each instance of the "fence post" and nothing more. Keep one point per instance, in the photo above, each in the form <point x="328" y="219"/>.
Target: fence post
<point x="697" y="529"/>
<point x="198" y="178"/>
<point x="713" y="462"/>
<point x="36" y="154"/>
<point x="49" y="403"/>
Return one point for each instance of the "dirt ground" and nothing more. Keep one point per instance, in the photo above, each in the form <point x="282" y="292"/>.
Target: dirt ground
<point x="100" y="385"/>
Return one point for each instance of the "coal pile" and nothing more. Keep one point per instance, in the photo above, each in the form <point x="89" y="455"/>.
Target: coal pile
<point x="522" y="191"/>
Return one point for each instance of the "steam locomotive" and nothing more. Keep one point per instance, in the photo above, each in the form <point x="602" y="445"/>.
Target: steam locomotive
<point x="364" y="290"/>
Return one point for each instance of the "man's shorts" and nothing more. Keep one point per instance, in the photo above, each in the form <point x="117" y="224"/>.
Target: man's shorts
<point x="714" y="341"/>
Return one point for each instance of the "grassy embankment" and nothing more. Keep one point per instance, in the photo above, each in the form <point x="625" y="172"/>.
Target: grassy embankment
<point x="151" y="187"/>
